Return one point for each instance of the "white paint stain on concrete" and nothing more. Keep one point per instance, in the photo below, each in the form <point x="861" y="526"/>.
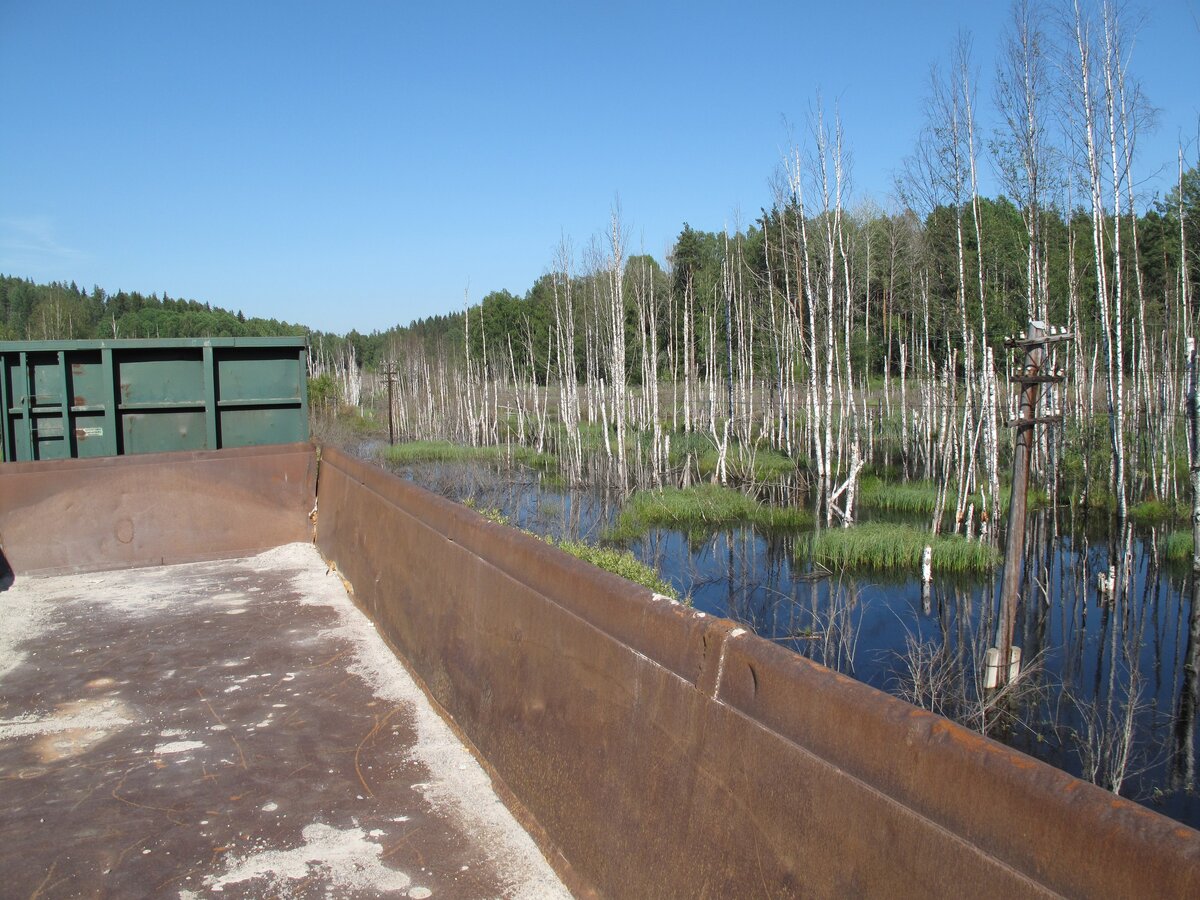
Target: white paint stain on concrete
<point x="178" y="747"/>
<point x="344" y="860"/>
<point x="81" y="715"/>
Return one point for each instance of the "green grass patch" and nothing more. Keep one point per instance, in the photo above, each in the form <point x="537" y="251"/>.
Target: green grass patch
<point x="336" y="426"/>
<point x="916" y="497"/>
<point x="772" y="464"/>
<point x="742" y="463"/>
<point x="1150" y="512"/>
<point x="1145" y="512"/>
<point x="701" y="508"/>
<point x="884" y="547"/>
<point x="618" y="562"/>
<point x="920" y="497"/>
<point x="591" y="437"/>
<point x="762" y="465"/>
<point x="491" y="513"/>
<point x="361" y="424"/>
<point x="697" y="447"/>
<point x="444" y="451"/>
<point x="1178" y="546"/>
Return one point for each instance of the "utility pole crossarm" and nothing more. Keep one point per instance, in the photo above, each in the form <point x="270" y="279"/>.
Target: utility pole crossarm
<point x="1038" y="420"/>
<point x="1053" y="336"/>
<point x="1056" y="378"/>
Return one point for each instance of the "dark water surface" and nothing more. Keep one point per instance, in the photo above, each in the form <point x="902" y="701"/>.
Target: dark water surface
<point x="1106" y="692"/>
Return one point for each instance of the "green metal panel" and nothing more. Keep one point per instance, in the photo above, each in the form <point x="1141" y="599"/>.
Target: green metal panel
<point x="210" y="399"/>
<point x="22" y="421"/>
<point x="154" y="378"/>
<point x="101" y="398"/>
<point x="45" y="396"/>
<point x="261" y="425"/>
<point x="163" y="429"/>
<point x="6" y="444"/>
<point x="255" y="375"/>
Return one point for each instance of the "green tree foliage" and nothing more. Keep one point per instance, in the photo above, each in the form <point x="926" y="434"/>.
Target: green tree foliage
<point x="60" y="311"/>
<point x="1166" y="218"/>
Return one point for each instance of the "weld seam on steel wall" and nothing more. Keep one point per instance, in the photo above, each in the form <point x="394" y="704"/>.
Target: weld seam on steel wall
<point x="657" y="770"/>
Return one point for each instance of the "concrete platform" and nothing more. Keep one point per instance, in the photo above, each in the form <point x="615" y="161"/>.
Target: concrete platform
<point x="232" y="729"/>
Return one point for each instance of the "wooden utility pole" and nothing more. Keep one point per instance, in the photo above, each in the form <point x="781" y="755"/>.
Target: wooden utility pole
<point x="1189" y="694"/>
<point x="1031" y="377"/>
<point x="1194" y="454"/>
<point x="390" y="372"/>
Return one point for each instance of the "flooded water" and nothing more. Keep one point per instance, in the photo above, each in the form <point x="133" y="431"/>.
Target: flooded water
<point x="1108" y="688"/>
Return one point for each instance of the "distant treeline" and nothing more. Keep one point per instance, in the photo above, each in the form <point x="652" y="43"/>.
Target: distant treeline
<point x="58" y="311"/>
<point x="65" y="311"/>
<point x="904" y="268"/>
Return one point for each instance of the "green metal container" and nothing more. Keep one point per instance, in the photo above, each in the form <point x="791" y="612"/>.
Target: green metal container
<point x="64" y="399"/>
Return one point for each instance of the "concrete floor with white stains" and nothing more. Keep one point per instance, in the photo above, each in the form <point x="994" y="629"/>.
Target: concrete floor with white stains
<point x="232" y="729"/>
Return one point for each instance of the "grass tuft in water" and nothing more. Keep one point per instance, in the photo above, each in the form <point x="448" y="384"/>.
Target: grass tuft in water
<point x="1149" y="512"/>
<point x="702" y="507"/>
<point x="761" y="465"/>
<point x="491" y="513"/>
<point x="1178" y="546"/>
<point x="882" y="546"/>
<point x="920" y="497"/>
<point x="901" y="497"/>
<point x="444" y="451"/>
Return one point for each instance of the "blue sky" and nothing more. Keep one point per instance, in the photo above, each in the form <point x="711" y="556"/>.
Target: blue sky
<point x="357" y="165"/>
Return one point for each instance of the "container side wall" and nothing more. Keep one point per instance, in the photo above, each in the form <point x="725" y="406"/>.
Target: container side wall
<point x="81" y="515"/>
<point x="669" y="754"/>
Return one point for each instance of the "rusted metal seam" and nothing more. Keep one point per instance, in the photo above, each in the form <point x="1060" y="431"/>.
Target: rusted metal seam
<point x="896" y="803"/>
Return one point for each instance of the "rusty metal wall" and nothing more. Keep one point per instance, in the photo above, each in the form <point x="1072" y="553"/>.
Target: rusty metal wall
<point x="78" y="515"/>
<point x="669" y="754"/>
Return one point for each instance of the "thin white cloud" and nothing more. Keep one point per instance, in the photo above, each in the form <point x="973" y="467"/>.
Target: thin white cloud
<point x="29" y="245"/>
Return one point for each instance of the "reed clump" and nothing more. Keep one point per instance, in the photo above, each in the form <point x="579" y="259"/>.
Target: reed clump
<point x="699" y="508"/>
<point x="914" y="497"/>
<point x="921" y="497"/>
<point x="747" y="466"/>
<point x="1178" y="546"/>
<point x="1153" y="511"/>
<point x="881" y="546"/>
<point x="445" y="451"/>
